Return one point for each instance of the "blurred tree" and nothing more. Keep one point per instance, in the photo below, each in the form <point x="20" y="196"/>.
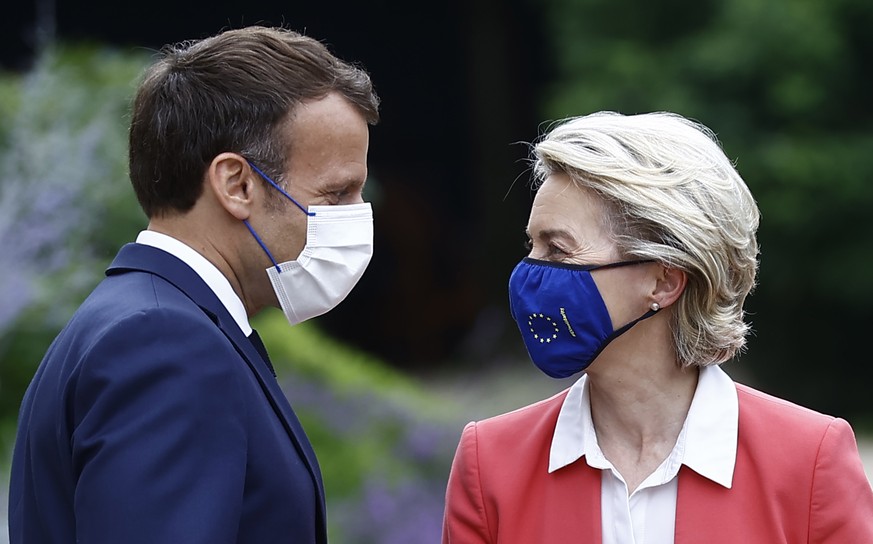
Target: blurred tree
<point x="65" y="204"/>
<point x="786" y="86"/>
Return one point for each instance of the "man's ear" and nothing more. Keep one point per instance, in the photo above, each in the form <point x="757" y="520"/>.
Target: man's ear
<point x="669" y="286"/>
<point x="230" y="179"/>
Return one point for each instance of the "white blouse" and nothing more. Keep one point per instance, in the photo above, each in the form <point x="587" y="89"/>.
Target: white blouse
<point x="707" y="444"/>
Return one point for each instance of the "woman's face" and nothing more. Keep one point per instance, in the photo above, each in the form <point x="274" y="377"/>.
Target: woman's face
<point x="568" y="225"/>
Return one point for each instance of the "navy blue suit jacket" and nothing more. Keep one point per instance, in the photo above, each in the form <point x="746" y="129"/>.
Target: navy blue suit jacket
<point x="153" y="419"/>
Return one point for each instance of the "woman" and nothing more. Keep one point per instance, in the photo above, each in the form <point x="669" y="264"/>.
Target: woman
<point x="642" y="252"/>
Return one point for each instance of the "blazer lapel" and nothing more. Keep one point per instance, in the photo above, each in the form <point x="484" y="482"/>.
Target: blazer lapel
<point x="706" y="511"/>
<point x="693" y="507"/>
<point x="138" y="257"/>
<point x="574" y="501"/>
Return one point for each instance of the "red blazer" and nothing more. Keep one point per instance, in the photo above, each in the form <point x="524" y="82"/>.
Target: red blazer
<point x="798" y="479"/>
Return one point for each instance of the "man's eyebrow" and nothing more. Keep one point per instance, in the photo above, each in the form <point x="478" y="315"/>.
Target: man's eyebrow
<point x="345" y="184"/>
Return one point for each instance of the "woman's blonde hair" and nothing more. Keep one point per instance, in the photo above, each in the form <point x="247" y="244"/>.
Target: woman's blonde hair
<point x="670" y="195"/>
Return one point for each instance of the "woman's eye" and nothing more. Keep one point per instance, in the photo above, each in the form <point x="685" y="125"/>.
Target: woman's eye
<point x="555" y="250"/>
<point x="549" y="252"/>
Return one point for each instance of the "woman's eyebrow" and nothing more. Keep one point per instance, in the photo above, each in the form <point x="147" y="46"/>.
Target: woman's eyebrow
<point x="548" y="234"/>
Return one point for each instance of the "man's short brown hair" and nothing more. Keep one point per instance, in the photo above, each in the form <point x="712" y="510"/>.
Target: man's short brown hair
<point x="229" y="92"/>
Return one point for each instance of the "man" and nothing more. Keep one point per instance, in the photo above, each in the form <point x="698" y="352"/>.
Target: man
<point x="153" y="418"/>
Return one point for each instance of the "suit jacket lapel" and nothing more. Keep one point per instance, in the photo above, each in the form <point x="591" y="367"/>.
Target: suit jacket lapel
<point x="280" y="404"/>
<point x="138" y="257"/>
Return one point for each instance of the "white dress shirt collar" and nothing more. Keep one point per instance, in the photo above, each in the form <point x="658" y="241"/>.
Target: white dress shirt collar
<point x="207" y="271"/>
<point x="707" y="443"/>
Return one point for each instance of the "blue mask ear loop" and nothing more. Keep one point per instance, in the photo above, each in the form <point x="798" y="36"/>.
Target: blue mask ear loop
<point x="263" y="246"/>
<point x="289" y="197"/>
<point x="276" y="186"/>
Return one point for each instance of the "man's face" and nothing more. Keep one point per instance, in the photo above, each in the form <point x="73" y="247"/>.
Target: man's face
<point x="327" y="165"/>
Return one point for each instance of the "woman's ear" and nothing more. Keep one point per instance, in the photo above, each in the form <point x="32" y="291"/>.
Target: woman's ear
<point x="230" y="179"/>
<point x="669" y="286"/>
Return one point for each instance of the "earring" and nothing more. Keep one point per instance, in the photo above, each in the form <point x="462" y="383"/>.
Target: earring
<point x="655" y="306"/>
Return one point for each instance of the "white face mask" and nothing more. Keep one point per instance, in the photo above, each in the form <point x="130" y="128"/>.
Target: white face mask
<point x="339" y="245"/>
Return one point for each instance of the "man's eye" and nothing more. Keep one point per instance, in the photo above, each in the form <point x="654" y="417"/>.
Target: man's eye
<point x="335" y="197"/>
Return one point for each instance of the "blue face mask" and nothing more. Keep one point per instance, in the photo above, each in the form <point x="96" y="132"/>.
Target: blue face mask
<point x="561" y="315"/>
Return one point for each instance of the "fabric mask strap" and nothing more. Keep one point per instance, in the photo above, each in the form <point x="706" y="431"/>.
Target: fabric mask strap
<point x="276" y="186"/>
<point x="623" y="330"/>
<point x="584" y="267"/>
<point x="261" y="243"/>
<point x="620" y="264"/>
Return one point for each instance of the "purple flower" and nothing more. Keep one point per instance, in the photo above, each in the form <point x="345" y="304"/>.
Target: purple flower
<point x="408" y="511"/>
<point x="60" y="144"/>
<point x="400" y="498"/>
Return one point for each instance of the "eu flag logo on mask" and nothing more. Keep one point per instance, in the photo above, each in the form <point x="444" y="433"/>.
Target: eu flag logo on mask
<point x="543" y="328"/>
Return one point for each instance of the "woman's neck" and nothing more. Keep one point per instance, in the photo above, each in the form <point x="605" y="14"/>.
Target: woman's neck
<point x="639" y="402"/>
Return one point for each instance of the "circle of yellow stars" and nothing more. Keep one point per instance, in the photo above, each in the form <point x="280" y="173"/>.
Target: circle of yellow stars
<point x="543" y="339"/>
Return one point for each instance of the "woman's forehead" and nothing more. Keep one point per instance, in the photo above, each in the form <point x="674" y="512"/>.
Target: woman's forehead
<point x="561" y="200"/>
<point x="563" y="210"/>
